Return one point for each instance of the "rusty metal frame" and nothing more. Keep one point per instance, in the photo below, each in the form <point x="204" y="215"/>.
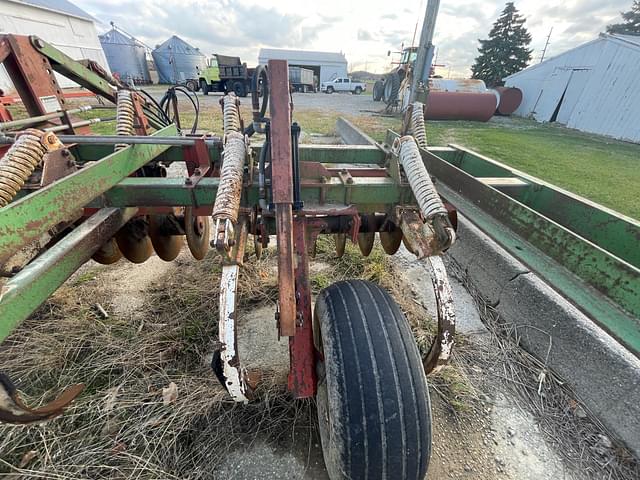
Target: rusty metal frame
<point x="282" y="192"/>
<point x="302" y="370"/>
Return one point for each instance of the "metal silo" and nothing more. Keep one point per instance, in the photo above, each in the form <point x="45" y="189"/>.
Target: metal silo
<point x="126" y="57"/>
<point x="176" y="61"/>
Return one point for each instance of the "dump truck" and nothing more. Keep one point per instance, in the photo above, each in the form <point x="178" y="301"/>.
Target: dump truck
<point x="302" y="79"/>
<point x="223" y="74"/>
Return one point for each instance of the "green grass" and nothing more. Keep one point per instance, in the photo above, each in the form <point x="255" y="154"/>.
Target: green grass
<point x="604" y="170"/>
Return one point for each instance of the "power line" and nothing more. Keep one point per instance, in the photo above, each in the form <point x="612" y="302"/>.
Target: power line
<point x="544" y="51"/>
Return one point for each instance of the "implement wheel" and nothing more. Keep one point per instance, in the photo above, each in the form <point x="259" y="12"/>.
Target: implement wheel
<point x="373" y="402"/>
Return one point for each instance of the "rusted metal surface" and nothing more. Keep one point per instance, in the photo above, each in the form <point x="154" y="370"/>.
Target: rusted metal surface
<point x="280" y="109"/>
<point x="133" y="240"/>
<point x="125" y="115"/>
<point x="24" y="292"/>
<point x="479" y="107"/>
<point x="302" y="372"/>
<point x="228" y="197"/>
<point x="282" y="192"/>
<point x="14" y="410"/>
<point x="198" y="231"/>
<point x="510" y="99"/>
<point x="286" y="271"/>
<point x="32" y="76"/>
<point x="17" y="165"/>
<point x="441" y="348"/>
<point x="162" y="232"/>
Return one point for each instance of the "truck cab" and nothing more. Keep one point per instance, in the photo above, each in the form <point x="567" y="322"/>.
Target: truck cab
<point x="212" y="71"/>
<point x="343" y="84"/>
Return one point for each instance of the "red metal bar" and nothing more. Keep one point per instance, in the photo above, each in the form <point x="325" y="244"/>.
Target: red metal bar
<point x="32" y="75"/>
<point x="302" y="371"/>
<point x="282" y="191"/>
<point x="286" y="271"/>
<point x="280" y="109"/>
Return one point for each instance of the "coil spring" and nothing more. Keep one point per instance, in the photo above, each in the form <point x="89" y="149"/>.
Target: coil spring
<point x="124" y="116"/>
<point x="231" y="113"/>
<point x="227" y="201"/>
<point x="17" y="165"/>
<point x="417" y="128"/>
<point x="428" y="199"/>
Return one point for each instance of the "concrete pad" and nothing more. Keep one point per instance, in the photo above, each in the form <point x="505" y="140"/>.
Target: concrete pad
<point x="258" y="344"/>
<point x="602" y="373"/>
<point x="416" y="274"/>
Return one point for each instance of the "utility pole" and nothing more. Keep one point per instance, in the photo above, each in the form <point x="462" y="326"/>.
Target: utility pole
<point x="425" y="48"/>
<point x="544" y="51"/>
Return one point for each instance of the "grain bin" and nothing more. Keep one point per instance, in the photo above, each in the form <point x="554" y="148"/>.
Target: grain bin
<point x="177" y="61"/>
<point x="126" y="57"/>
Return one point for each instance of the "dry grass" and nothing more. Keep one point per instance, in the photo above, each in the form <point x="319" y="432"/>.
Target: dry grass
<point x="120" y="426"/>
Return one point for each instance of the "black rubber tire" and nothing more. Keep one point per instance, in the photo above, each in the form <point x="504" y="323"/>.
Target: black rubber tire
<point x="373" y="402"/>
<point x="378" y="90"/>
<point x="239" y="89"/>
<point x="391" y="88"/>
<point x="192" y="85"/>
<point x="358" y="91"/>
<point x="329" y="89"/>
<point x="204" y="87"/>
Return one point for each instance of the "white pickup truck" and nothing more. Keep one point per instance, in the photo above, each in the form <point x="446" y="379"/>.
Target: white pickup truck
<point x="343" y="84"/>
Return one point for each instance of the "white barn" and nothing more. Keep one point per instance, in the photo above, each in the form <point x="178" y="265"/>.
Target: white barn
<point x="58" y="22"/>
<point x="325" y="65"/>
<point x="593" y="88"/>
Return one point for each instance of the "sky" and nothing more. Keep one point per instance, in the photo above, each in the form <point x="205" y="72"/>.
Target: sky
<point x="364" y="30"/>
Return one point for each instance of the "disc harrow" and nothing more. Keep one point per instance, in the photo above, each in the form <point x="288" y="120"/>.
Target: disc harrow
<point x="116" y="201"/>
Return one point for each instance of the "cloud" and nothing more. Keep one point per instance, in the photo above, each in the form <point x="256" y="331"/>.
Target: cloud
<point x="363" y="29"/>
<point x="365" y="35"/>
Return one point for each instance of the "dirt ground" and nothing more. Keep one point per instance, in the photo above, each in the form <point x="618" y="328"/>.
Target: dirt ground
<point x="496" y="440"/>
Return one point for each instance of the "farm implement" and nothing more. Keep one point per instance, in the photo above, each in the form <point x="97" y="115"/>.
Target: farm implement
<point x="67" y="197"/>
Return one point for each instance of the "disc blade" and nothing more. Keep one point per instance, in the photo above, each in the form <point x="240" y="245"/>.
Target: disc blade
<point x="341" y="243"/>
<point x="166" y="246"/>
<point x="108" y="253"/>
<point x="391" y="241"/>
<point x="198" y="232"/>
<point x="133" y="240"/>
<point x="365" y="242"/>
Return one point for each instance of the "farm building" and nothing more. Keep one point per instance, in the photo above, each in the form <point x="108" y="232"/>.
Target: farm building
<point x="177" y="61"/>
<point x="59" y="22"/>
<point x="325" y="65"/>
<point x="593" y="88"/>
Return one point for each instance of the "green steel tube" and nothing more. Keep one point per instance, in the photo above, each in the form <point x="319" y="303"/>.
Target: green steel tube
<point x="26" y="291"/>
<point x="30" y="217"/>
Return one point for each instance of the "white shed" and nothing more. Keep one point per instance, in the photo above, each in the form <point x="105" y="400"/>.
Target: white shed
<point x="593" y="88"/>
<point x="325" y="65"/>
<point x="58" y="22"/>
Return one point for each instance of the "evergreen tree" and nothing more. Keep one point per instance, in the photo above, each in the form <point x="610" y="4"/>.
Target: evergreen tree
<point x="505" y="51"/>
<point x="631" y="24"/>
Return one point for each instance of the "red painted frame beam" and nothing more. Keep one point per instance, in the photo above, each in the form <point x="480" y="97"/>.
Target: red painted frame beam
<point x="282" y="191"/>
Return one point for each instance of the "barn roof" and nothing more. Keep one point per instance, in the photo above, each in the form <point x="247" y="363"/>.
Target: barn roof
<point x="59" y="6"/>
<point x="302" y="55"/>
<point x="632" y="41"/>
